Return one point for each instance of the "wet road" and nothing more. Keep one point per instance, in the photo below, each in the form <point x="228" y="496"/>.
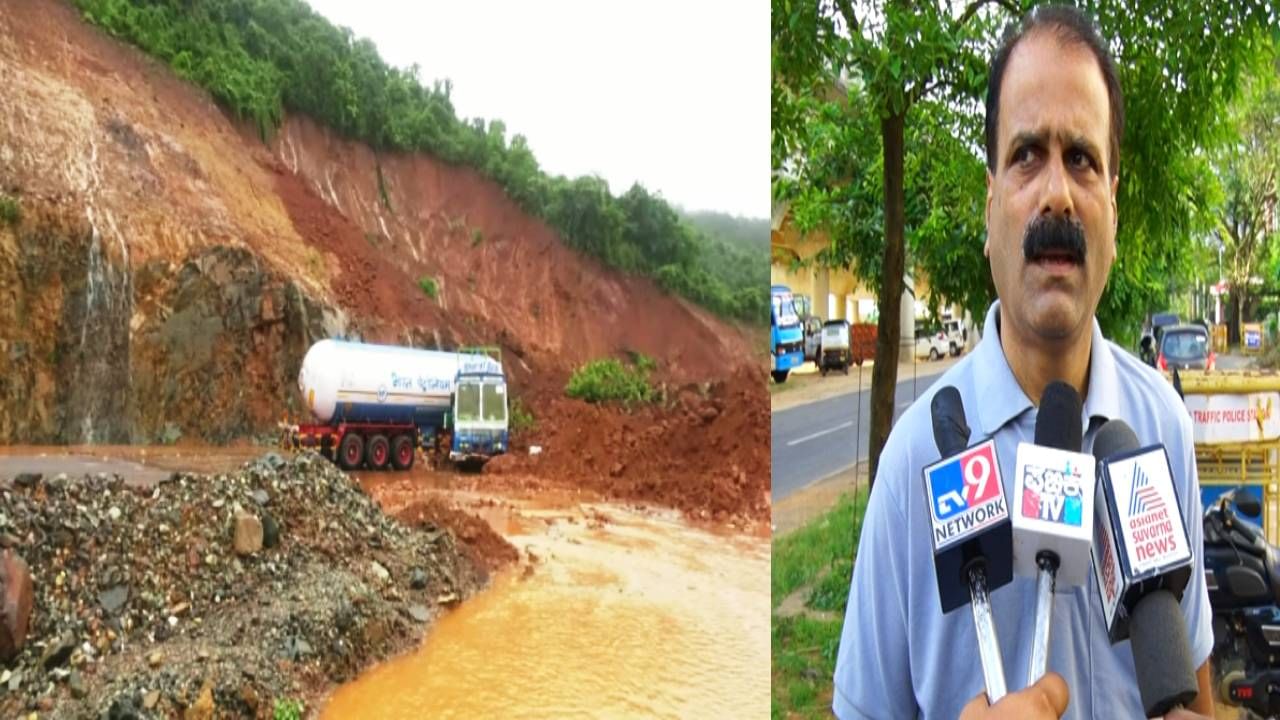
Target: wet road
<point x="812" y="441"/>
<point x="622" y="614"/>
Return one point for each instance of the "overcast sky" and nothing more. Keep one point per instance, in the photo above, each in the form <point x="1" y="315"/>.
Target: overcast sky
<point x="672" y="95"/>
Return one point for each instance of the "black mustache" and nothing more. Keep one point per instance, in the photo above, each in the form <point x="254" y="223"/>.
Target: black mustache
<point x="1054" y="234"/>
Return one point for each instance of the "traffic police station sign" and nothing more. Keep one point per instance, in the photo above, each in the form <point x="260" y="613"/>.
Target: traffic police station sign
<point x="1234" y="418"/>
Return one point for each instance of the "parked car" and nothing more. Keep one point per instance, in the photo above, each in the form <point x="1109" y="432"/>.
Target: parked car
<point x="836" y="353"/>
<point x="1161" y="321"/>
<point x="1185" y="347"/>
<point x="1149" y="343"/>
<point x="956" y="335"/>
<point x="931" y="343"/>
<point x="812" y="338"/>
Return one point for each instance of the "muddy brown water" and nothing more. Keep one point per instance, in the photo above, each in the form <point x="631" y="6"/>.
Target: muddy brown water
<point x="620" y="613"/>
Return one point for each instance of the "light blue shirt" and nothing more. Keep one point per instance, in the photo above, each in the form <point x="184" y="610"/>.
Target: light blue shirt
<point x="900" y="657"/>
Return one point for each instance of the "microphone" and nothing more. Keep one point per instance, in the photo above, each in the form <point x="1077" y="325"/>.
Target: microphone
<point x="1053" y="525"/>
<point x="972" y="543"/>
<point x="1142" y="561"/>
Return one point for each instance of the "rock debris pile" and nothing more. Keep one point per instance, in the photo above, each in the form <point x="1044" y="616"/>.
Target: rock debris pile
<point x="208" y="592"/>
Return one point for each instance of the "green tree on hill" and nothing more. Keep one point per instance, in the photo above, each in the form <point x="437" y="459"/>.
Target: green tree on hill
<point x="259" y="58"/>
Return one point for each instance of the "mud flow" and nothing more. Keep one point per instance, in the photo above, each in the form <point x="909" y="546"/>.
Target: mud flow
<point x="611" y="613"/>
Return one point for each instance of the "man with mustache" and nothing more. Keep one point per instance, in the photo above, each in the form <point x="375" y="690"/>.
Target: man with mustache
<point x="1055" y="118"/>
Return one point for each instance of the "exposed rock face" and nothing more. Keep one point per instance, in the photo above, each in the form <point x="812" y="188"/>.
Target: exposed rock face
<point x="94" y="351"/>
<point x="170" y="268"/>
<point x="219" y="345"/>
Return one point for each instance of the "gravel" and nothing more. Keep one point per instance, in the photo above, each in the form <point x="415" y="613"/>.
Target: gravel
<point x="139" y="595"/>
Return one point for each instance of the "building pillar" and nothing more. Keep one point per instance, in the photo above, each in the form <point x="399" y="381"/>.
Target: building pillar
<point x="821" y="293"/>
<point x="907" y="326"/>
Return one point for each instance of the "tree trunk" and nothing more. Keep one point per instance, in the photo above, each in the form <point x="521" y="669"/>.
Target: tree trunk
<point x="884" y="378"/>
<point x="1240" y="315"/>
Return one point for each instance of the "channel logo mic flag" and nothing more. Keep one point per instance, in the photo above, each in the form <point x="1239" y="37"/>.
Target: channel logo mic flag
<point x="965" y="494"/>
<point x="1053" y="494"/>
<point x="1143" y="498"/>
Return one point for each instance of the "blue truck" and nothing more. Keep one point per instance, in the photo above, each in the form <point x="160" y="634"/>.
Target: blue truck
<point x="786" y="334"/>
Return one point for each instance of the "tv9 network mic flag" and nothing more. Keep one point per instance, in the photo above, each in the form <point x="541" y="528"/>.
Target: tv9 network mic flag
<point x="969" y="518"/>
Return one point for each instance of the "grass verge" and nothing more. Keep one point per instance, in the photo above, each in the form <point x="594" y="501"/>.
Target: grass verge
<point x="816" y="559"/>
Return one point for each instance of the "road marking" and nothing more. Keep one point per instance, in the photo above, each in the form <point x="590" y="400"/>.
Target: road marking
<point x="820" y="433"/>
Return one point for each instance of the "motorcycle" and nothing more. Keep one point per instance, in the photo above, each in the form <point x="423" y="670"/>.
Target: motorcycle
<point x="1242" y="572"/>
<point x="1147" y="350"/>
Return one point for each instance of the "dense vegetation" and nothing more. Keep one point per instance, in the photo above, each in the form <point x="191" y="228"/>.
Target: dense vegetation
<point x="750" y="234"/>
<point x="611" y="381"/>
<point x="735" y="251"/>
<point x="259" y="58"/>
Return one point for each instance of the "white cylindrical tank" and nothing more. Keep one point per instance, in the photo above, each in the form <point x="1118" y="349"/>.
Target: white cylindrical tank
<point x="381" y="383"/>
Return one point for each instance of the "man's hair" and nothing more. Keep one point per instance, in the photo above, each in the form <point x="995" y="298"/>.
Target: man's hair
<point x="1069" y="26"/>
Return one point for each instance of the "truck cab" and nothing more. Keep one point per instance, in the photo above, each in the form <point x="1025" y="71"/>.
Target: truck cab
<point x="786" y="335"/>
<point x="479" y="417"/>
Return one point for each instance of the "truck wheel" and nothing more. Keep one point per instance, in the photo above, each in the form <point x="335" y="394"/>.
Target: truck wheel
<point x="378" y="452"/>
<point x="954" y="350"/>
<point x="351" y="451"/>
<point x="933" y="354"/>
<point x="779" y="376"/>
<point x="402" y="452"/>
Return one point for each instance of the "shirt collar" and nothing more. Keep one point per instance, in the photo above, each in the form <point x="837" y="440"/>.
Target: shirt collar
<point x="1002" y="397"/>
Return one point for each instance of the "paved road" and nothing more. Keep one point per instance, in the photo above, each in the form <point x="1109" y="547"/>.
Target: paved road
<point x="1234" y="362"/>
<point x="815" y="440"/>
<point x="77" y="466"/>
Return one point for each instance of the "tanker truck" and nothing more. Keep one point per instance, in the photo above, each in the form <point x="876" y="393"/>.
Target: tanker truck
<point x="374" y="406"/>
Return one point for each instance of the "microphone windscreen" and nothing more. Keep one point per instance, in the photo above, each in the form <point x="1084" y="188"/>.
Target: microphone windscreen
<point x="950" y="433"/>
<point x="1162" y="654"/>
<point x="1113" y="438"/>
<point x="1058" y="423"/>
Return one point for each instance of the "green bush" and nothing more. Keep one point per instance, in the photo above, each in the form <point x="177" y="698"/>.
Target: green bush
<point x="288" y="709"/>
<point x="477" y="236"/>
<point x="10" y="210"/>
<point x="429" y="287"/>
<point x="610" y="380"/>
<point x="521" y="417"/>
<point x="643" y="363"/>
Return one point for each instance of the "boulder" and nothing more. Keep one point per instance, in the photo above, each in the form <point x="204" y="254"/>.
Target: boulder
<point x="248" y="534"/>
<point x="16" y="600"/>
<point x="270" y="531"/>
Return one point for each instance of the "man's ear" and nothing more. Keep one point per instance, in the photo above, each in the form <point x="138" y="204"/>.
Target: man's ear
<point x="986" y="245"/>
<point x="1115" y="212"/>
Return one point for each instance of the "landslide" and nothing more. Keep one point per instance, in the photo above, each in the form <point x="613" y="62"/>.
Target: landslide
<point x="170" y="269"/>
<point x="702" y="448"/>
<point x="146" y="605"/>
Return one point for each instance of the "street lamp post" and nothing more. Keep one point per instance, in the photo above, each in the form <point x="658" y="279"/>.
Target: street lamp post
<point x="1217" y="299"/>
